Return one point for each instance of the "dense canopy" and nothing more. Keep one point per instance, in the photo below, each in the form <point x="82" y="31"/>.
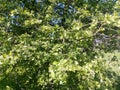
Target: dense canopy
<point x="59" y="44"/>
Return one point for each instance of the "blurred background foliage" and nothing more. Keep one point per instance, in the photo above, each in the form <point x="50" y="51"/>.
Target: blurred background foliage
<point x="59" y="44"/>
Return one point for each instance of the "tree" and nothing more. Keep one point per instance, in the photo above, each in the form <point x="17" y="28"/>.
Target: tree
<point x="58" y="44"/>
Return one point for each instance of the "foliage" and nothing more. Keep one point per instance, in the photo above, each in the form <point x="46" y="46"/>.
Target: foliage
<point x="59" y="44"/>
